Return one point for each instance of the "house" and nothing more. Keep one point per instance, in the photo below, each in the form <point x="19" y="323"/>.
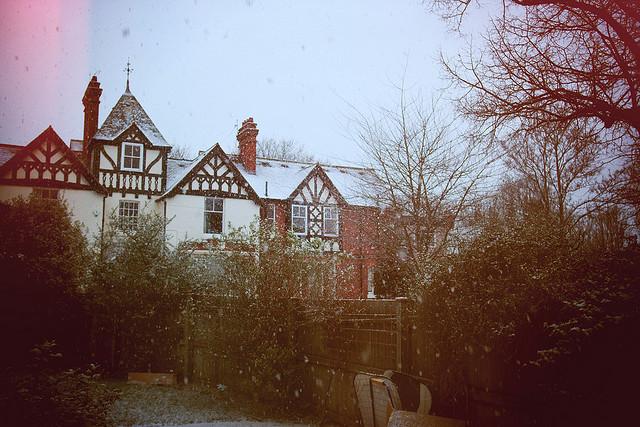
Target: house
<point x="123" y="167"/>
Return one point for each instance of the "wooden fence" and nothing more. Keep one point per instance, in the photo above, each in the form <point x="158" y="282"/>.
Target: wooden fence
<point x="372" y="336"/>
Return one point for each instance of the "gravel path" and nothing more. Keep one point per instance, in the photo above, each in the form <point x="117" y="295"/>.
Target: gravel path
<point x="244" y="424"/>
<point x="179" y="406"/>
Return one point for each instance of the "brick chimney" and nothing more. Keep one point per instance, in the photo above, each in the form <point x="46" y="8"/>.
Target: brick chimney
<point x="247" y="140"/>
<point x="91" y="102"/>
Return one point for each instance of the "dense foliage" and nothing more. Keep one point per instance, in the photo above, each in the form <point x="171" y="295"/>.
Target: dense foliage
<point x="42" y="392"/>
<point x="525" y="304"/>
<point x="43" y="312"/>
<point x="140" y="286"/>
<point x="43" y="259"/>
<point x="266" y="296"/>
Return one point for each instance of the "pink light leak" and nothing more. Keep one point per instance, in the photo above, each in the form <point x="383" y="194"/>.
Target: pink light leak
<point x="44" y="45"/>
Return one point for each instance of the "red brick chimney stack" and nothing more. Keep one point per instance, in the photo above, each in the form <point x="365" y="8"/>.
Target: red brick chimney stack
<point x="247" y="140"/>
<point x="91" y="102"/>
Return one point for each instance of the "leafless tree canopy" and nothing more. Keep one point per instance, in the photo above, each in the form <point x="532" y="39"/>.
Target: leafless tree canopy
<point x="427" y="173"/>
<point x="181" y="152"/>
<point x="560" y="165"/>
<point x="554" y="59"/>
<point x="282" y="149"/>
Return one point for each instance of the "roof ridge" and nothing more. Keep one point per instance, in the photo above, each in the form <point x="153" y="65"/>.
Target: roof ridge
<point x="314" y="163"/>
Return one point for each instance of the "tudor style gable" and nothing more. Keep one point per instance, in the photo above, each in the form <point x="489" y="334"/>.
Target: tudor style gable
<point x="128" y="153"/>
<point x="130" y="163"/>
<point x="315" y="206"/>
<point x="212" y="174"/>
<point x="48" y="162"/>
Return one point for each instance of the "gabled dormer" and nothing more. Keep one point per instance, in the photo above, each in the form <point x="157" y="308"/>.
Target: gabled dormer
<point x="128" y="154"/>
<point x="47" y="162"/>
<point x="212" y="174"/>
<point x="315" y="206"/>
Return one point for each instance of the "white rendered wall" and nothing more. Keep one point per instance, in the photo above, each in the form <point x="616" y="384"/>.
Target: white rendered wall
<point x="84" y="205"/>
<point x="186" y="215"/>
<point x="145" y="205"/>
<point x="112" y="151"/>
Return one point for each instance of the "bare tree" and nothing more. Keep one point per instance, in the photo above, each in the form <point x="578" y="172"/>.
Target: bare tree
<point x="427" y="172"/>
<point x="282" y="149"/>
<point x="558" y="61"/>
<point x="566" y="59"/>
<point x="181" y="152"/>
<point x="560" y="164"/>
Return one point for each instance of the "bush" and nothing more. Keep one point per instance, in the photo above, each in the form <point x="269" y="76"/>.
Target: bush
<point x="45" y="394"/>
<point x="140" y="287"/>
<point x="553" y="324"/>
<point x="267" y="295"/>
<point x="43" y="259"/>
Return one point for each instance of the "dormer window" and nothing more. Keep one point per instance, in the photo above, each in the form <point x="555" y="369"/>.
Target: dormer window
<point x="132" y="156"/>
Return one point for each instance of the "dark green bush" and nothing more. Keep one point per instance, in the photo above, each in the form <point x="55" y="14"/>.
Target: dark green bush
<point x="44" y="394"/>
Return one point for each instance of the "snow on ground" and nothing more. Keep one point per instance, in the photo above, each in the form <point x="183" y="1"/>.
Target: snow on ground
<point x="181" y="406"/>
<point x="244" y="424"/>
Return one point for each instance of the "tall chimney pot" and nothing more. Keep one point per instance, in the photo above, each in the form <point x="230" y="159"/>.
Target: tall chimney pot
<point x="91" y="102"/>
<point x="247" y="141"/>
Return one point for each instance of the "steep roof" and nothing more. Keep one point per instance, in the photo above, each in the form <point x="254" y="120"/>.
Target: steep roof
<point x="126" y="112"/>
<point x="180" y="172"/>
<point x="8" y="151"/>
<point x="282" y="177"/>
<point x="67" y="157"/>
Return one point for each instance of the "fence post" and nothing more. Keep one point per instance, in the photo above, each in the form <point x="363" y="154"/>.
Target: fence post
<point x="187" y="349"/>
<point x="400" y="320"/>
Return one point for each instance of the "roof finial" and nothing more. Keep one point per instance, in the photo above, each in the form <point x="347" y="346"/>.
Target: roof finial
<point x="128" y="70"/>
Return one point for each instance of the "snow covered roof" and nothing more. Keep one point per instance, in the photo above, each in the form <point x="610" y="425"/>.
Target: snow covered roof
<point x="126" y="112"/>
<point x="356" y="185"/>
<point x="7" y="152"/>
<point x="284" y="176"/>
<point x="178" y="168"/>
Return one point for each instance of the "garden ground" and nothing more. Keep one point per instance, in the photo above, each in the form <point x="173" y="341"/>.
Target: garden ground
<point x="146" y="405"/>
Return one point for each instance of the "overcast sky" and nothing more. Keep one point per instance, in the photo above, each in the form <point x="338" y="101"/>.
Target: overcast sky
<point x="200" y="67"/>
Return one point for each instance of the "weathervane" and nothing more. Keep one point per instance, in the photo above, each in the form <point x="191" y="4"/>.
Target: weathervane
<point x="128" y="70"/>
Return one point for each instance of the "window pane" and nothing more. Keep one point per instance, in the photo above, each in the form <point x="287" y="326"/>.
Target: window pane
<point x="128" y="150"/>
<point x="135" y="163"/>
<point x="217" y="205"/>
<point x="136" y="150"/>
<point x="128" y="213"/>
<point x="298" y="225"/>
<point x="330" y="220"/>
<point x="213" y="222"/>
<point x="208" y="204"/>
<point x="330" y="226"/>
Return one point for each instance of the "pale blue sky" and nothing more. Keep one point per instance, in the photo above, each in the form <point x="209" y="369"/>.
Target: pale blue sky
<point x="201" y="66"/>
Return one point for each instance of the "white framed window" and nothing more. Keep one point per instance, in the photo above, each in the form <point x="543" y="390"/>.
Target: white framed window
<point x="299" y="219"/>
<point x="330" y="220"/>
<point x="213" y="215"/>
<point x="46" y="193"/>
<point x="371" y="275"/>
<point x="132" y="156"/>
<point x="128" y="213"/>
<point x="271" y="213"/>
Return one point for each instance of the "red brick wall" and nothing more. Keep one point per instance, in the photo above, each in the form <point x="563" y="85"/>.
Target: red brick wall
<point x="359" y="232"/>
<point x="358" y="236"/>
